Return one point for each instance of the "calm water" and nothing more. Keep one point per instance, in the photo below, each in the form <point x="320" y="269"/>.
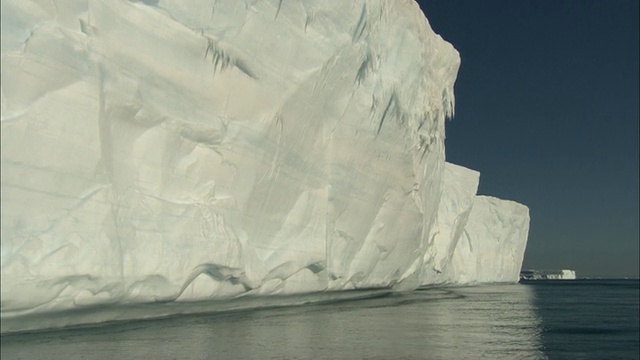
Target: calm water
<point x="584" y="319"/>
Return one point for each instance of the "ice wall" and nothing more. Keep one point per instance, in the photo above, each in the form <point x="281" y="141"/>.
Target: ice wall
<point x="161" y="151"/>
<point x="170" y="152"/>
<point x="491" y="248"/>
<point x="460" y="186"/>
<point x="476" y="239"/>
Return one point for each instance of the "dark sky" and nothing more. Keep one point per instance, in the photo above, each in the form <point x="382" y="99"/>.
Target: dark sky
<point x="547" y="111"/>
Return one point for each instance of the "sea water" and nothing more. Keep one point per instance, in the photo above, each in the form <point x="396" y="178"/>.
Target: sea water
<point x="581" y="319"/>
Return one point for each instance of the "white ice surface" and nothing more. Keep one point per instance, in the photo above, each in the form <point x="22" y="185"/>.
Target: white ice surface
<point x="175" y="151"/>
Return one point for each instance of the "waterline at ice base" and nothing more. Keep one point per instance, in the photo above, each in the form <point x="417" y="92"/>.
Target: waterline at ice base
<point x="217" y="153"/>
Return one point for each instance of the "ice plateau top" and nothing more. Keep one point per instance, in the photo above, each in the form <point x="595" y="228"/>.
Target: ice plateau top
<point x="180" y="151"/>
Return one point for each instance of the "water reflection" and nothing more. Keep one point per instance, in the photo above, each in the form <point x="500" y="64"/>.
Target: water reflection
<point x="498" y="322"/>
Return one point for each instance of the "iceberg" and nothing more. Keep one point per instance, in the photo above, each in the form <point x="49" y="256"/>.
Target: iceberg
<point x="491" y="248"/>
<point x="476" y="239"/>
<point x="460" y="186"/>
<point x="187" y="151"/>
<point x="537" y="274"/>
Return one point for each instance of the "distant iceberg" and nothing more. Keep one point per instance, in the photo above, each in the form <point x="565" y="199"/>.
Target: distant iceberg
<point x="532" y="274"/>
<point x="173" y="152"/>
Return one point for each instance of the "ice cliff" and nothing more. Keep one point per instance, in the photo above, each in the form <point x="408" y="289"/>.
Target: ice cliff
<point x="173" y="151"/>
<point x="476" y="239"/>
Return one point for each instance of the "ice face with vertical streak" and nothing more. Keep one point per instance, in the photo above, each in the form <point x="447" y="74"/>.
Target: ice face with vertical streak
<point x="179" y="151"/>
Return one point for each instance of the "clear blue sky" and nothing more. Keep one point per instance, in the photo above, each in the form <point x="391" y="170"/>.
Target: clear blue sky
<point x="547" y="111"/>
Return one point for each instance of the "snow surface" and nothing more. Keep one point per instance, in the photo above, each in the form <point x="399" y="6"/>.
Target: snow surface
<point x="176" y="151"/>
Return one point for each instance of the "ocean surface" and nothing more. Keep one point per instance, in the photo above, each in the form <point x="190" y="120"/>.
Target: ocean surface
<point x="581" y="319"/>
